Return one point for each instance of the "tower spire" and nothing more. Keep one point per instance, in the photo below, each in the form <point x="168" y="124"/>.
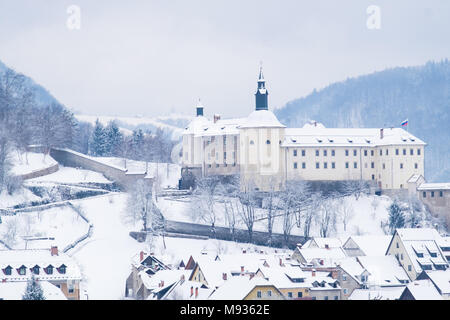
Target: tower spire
<point x="261" y="94"/>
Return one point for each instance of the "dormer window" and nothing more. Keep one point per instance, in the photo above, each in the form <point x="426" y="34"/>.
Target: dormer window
<point x="35" y="269"/>
<point x="62" y="269"/>
<point x="22" y="270"/>
<point x="7" y="271"/>
<point x="49" y="269"/>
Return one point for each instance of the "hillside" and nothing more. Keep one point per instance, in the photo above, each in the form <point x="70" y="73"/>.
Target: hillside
<point x="385" y="99"/>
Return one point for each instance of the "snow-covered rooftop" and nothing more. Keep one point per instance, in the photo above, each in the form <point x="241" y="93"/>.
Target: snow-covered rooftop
<point x="372" y="245"/>
<point x="424" y="290"/>
<point x="434" y="186"/>
<point x="358" y="137"/>
<point x="384" y="271"/>
<point x="15" y="291"/>
<point x="385" y="293"/>
<point x="262" y="119"/>
<point x="237" y="288"/>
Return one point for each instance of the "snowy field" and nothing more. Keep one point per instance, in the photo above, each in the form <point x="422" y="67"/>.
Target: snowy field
<point x="72" y="175"/>
<point x="62" y="223"/>
<point x="28" y="162"/>
<point x="168" y="174"/>
<point x="366" y="216"/>
<point x="20" y="196"/>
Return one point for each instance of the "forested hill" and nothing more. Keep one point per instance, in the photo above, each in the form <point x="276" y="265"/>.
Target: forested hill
<point x="41" y="96"/>
<point x="384" y="99"/>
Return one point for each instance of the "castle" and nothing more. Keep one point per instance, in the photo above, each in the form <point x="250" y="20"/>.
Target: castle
<point x="266" y="154"/>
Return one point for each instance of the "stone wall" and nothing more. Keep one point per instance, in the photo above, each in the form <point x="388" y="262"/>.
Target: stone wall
<point x="40" y="173"/>
<point x="119" y="175"/>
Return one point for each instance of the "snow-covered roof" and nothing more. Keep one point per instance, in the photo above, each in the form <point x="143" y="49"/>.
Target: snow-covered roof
<point x="414" y="178"/>
<point x="165" y="277"/>
<point x="328" y="255"/>
<point x="237" y="288"/>
<point x="15" y="290"/>
<point x="262" y="119"/>
<point x="186" y="290"/>
<point x="384" y="271"/>
<point x="42" y="258"/>
<point x="351" y="266"/>
<point x="323" y="243"/>
<point x="424" y="290"/>
<point x="441" y="279"/>
<point x="357" y="137"/>
<point x="385" y="293"/>
<point x="434" y="186"/>
<point x="372" y="245"/>
<point x="281" y="277"/>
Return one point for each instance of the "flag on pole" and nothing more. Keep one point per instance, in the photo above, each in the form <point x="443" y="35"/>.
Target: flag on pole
<point x="404" y="123"/>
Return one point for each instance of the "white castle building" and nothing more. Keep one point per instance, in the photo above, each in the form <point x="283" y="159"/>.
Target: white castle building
<point x="266" y="154"/>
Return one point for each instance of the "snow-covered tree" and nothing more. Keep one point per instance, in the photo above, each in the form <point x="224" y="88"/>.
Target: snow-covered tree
<point x="98" y="140"/>
<point x="141" y="208"/>
<point x="396" y="216"/>
<point x="326" y="217"/>
<point x="346" y="211"/>
<point x="248" y="200"/>
<point x="206" y="198"/>
<point x="34" y="290"/>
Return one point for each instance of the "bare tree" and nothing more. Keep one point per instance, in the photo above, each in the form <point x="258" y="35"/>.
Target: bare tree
<point x="327" y="217"/>
<point x="270" y="204"/>
<point x="345" y="210"/>
<point x="205" y="200"/>
<point x="248" y="204"/>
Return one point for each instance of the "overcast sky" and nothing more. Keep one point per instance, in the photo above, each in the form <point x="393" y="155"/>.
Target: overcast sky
<point x="155" y="57"/>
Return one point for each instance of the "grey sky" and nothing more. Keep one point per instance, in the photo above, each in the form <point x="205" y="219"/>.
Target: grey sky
<point x="154" y="57"/>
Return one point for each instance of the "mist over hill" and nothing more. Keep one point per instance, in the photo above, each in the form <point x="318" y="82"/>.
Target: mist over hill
<point x="384" y="99"/>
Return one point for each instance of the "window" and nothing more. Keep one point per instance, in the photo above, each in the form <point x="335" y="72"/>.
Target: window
<point x="303" y="165"/>
<point x="269" y="293"/>
<point x="355" y="152"/>
<point x="268" y="142"/>
<point x="22" y="270"/>
<point x="252" y="142"/>
<point x="346" y="153"/>
<point x="424" y="194"/>
<point x="258" y="294"/>
<point x="397" y="245"/>
<point x="409" y="267"/>
<point x="401" y="256"/>
<point x="345" y="291"/>
<point x="387" y="152"/>
<point x="344" y="277"/>
<point x="295" y="165"/>
<point x="384" y="166"/>
<point x="346" y="165"/>
<point x="313" y="298"/>
<point x="8" y="270"/>
<point x="416" y="166"/>
<point x="355" y="165"/>
<point x="396" y="152"/>
<point x="418" y="152"/>
<point x="317" y="153"/>
<point x="365" y="153"/>
<point x="324" y="153"/>
<point x="325" y="165"/>
<point x="290" y="294"/>
<point x="36" y="269"/>
<point x="404" y="152"/>
<point x="303" y="153"/>
<point x="411" y="152"/>
<point x="441" y="194"/>
<point x="372" y="165"/>
<point x="432" y="194"/>
<point x="333" y="165"/>
<point x="401" y="165"/>
<point x="381" y="152"/>
<point x="299" y="294"/>
<point x="333" y="153"/>
<point x="336" y="298"/>
<point x="325" y="298"/>
<point x="62" y="269"/>
<point x="49" y="269"/>
<point x="224" y="156"/>
<point x="372" y="153"/>
<point x="295" y="153"/>
<point x="317" y="165"/>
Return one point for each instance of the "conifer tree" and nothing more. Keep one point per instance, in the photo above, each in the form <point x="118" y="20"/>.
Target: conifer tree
<point x="34" y="290"/>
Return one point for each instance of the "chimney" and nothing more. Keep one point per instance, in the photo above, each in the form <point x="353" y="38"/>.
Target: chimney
<point x="242" y="268"/>
<point x="3" y="280"/>
<point x="192" y="291"/>
<point x="196" y="292"/>
<point x="327" y="246"/>
<point x="381" y="133"/>
<point x="216" y="118"/>
<point x="224" y="276"/>
<point x="54" y="250"/>
<point x="321" y="262"/>
<point x="315" y="123"/>
<point x="182" y="278"/>
<point x="141" y="256"/>
<point x="244" y="251"/>
<point x="162" y="283"/>
<point x="313" y="273"/>
<point x="281" y="262"/>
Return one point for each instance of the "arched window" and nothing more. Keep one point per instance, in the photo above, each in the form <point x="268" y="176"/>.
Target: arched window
<point x="268" y="142"/>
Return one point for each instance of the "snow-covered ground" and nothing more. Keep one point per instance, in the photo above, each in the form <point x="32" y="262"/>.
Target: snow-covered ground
<point x="168" y="174"/>
<point x="72" y="175"/>
<point x="24" y="163"/>
<point x="20" y="196"/>
<point x="365" y="218"/>
<point x="61" y="223"/>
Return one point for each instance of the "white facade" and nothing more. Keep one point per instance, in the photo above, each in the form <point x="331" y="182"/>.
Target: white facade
<point x="266" y="154"/>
